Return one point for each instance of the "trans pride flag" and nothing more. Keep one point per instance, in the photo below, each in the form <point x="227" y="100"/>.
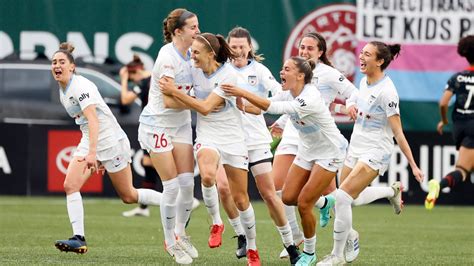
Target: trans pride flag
<point x="428" y="31"/>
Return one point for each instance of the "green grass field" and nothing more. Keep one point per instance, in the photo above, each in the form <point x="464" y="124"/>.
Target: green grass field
<point x="30" y="225"/>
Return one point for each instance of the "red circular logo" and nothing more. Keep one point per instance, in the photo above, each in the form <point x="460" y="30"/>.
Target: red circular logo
<point x="337" y="24"/>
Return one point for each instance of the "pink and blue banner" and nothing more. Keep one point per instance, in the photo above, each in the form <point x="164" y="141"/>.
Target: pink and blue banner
<point x="428" y="31"/>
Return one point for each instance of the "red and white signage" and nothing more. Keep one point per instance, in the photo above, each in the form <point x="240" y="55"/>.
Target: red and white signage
<point x="61" y="147"/>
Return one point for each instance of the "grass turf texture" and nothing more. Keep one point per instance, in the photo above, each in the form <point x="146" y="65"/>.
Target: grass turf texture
<point x="30" y="225"/>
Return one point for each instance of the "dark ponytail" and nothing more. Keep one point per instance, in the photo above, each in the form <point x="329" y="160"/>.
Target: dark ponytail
<point x="176" y="19"/>
<point x="386" y="52"/>
<point x="225" y="52"/>
<point x="217" y="45"/>
<point x="305" y="66"/>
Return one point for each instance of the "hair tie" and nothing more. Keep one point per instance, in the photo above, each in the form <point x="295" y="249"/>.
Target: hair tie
<point x="208" y="43"/>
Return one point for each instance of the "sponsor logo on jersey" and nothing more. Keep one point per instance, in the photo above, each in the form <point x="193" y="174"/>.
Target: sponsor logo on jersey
<point x="83" y="96"/>
<point x="168" y="67"/>
<point x="301" y="101"/>
<point x="466" y="79"/>
<point x="393" y="104"/>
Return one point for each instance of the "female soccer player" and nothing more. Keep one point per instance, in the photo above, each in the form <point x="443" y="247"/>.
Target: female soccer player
<point x="219" y="134"/>
<point x="256" y="78"/>
<point x="322" y="147"/>
<point x="371" y="145"/>
<point x="135" y="72"/>
<point x="462" y="85"/>
<point x="167" y="136"/>
<point x="330" y="82"/>
<point x="104" y="145"/>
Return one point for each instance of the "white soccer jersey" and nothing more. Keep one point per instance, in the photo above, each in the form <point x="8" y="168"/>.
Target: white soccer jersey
<point x="169" y="63"/>
<point x="256" y="78"/>
<point x="375" y="103"/>
<point x="330" y="82"/>
<point x="319" y="136"/>
<point x="225" y="125"/>
<point x="79" y="94"/>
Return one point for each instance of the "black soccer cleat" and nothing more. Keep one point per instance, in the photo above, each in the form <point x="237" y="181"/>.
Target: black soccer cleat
<point x="76" y="244"/>
<point x="293" y="253"/>
<point x="241" y="250"/>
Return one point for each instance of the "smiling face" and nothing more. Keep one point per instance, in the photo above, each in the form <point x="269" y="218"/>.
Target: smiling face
<point x="368" y="60"/>
<point x="242" y="48"/>
<point x="62" y="68"/>
<point x="309" y="49"/>
<point x="290" y="76"/>
<point x="201" y="55"/>
<point x="189" y="31"/>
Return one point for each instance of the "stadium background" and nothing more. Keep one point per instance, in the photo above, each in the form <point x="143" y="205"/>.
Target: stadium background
<point x="117" y="29"/>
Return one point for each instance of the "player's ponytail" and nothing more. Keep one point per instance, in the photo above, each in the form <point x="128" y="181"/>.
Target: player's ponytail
<point x="304" y="66"/>
<point x="217" y="45"/>
<point x="386" y="52"/>
<point x="176" y="19"/>
<point x="225" y="52"/>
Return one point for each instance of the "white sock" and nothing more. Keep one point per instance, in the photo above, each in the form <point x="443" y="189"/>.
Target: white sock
<point x="343" y="222"/>
<point x="370" y="194"/>
<point x="149" y="197"/>
<point x="310" y="245"/>
<point x="237" y="225"/>
<point x="184" y="203"/>
<point x="320" y="202"/>
<point x="247" y="218"/>
<point x="211" y="201"/>
<point x="286" y="235"/>
<point x="168" y="209"/>
<point x="75" y="210"/>
<point x="292" y="220"/>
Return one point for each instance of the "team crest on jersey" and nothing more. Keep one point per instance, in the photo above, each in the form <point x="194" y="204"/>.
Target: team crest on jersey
<point x="72" y="101"/>
<point x="314" y="80"/>
<point x="216" y="85"/>
<point x="252" y="80"/>
<point x="337" y="24"/>
<point x="372" y="99"/>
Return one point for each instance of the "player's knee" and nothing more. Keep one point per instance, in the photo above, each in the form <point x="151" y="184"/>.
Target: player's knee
<point x="304" y="203"/>
<point x="224" y="191"/>
<point x="208" y="178"/>
<point x="127" y="199"/>
<point x="70" y="187"/>
<point x="241" y="201"/>
<point x="288" y="199"/>
<point x="269" y="197"/>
